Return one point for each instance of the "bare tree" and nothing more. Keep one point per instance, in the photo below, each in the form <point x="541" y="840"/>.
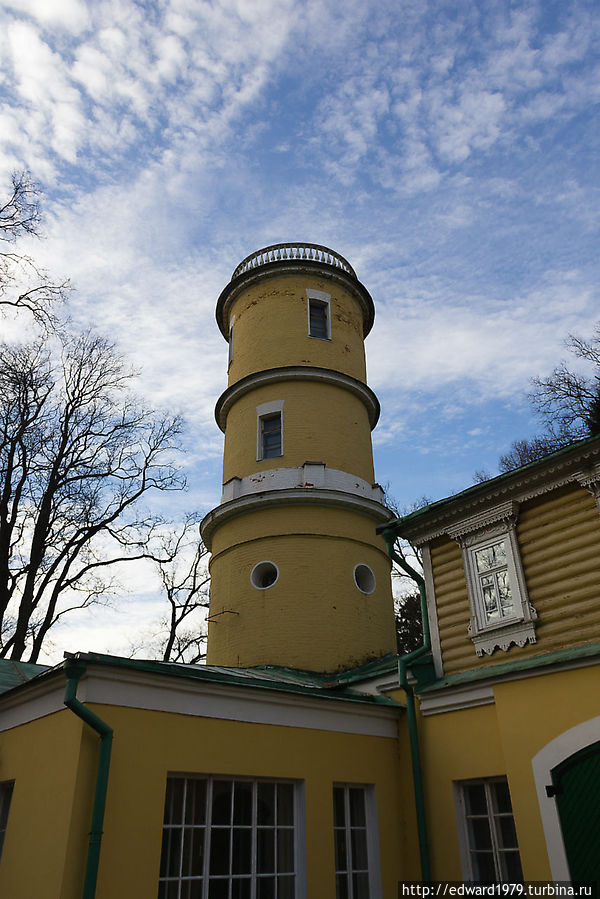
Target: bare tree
<point x="407" y="602"/>
<point x="77" y="455"/>
<point x="23" y="285"/>
<point x="568" y="402"/>
<point x="181" y="565"/>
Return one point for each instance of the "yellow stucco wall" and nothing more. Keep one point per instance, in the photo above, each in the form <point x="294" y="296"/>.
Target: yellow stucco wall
<point x="314" y="616"/>
<point x="271" y="328"/>
<point x="52" y="762"/>
<point x="321" y="423"/>
<point x="147" y="746"/>
<point x="501" y="739"/>
<point x="559" y="541"/>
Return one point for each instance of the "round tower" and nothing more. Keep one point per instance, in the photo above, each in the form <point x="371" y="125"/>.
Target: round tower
<point x="299" y="577"/>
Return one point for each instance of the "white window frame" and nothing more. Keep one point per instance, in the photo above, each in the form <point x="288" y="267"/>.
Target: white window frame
<point x="298" y="827"/>
<point x="519" y="628"/>
<point x="464" y="844"/>
<point x="372" y="833"/>
<point x="266" y="410"/>
<point x="323" y="299"/>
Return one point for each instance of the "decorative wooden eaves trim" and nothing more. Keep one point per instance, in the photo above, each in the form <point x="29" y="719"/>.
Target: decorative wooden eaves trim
<point x="581" y="468"/>
<point x="481" y="521"/>
<point x="291" y="497"/>
<point x="296" y="373"/>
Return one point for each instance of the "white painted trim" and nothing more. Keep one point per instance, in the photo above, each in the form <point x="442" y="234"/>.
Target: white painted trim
<point x="296" y="373"/>
<point x="373" y="850"/>
<point x="542" y="763"/>
<point x="31" y="702"/>
<point x="206" y="699"/>
<point x="434" y="630"/>
<point x="452" y="700"/>
<point x="294" y="496"/>
<point x="311" y="474"/>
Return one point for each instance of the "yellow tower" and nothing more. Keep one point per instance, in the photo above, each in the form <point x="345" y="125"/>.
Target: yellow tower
<point x="299" y="577"/>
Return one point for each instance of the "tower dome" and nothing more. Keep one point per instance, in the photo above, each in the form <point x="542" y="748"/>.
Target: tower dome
<point x="299" y="577"/>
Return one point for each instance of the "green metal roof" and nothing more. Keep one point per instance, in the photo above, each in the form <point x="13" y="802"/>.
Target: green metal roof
<point x="13" y="674"/>
<point x="285" y="680"/>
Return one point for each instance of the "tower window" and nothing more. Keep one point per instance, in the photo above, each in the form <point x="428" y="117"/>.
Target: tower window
<point x="319" y="319"/>
<point x="270" y="436"/>
<point x="230" y="355"/>
<point x="264" y="575"/>
<point x="364" y="578"/>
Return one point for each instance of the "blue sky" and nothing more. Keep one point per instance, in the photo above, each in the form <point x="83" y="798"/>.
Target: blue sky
<point x="450" y="151"/>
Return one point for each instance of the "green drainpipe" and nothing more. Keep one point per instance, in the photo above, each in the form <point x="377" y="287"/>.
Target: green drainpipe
<point x="404" y="663"/>
<point x="73" y="671"/>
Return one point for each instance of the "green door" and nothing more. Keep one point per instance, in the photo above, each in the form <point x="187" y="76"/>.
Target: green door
<point x="576" y="786"/>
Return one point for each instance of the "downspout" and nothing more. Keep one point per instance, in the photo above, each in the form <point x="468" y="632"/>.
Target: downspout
<point x="74" y="670"/>
<point x="404" y="662"/>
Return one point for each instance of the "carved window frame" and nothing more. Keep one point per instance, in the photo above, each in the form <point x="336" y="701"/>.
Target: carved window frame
<point x="475" y="534"/>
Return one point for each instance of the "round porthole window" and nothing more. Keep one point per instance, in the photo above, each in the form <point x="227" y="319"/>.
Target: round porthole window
<point x="264" y="575"/>
<point x="364" y="578"/>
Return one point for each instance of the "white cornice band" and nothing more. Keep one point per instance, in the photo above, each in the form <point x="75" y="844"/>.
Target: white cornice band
<point x="296" y="373"/>
<point x="311" y="474"/>
<point x="291" y="497"/>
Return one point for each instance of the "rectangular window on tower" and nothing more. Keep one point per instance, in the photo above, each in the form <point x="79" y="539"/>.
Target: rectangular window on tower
<point x="319" y="318"/>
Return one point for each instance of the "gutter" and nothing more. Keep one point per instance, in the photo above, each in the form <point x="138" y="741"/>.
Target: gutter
<point x="74" y="669"/>
<point x="404" y="663"/>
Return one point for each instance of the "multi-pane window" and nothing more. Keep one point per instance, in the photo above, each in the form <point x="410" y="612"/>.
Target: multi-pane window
<point x="492" y="852"/>
<point x="6" y="790"/>
<point x="351" y="842"/>
<point x="318" y="319"/>
<point x="228" y="839"/>
<point x="494" y="585"/>
<point x="230" y="352"/>
<point x="270" y="436"/>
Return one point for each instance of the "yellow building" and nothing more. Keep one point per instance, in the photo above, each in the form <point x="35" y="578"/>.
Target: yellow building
<point x="303" y="761"/>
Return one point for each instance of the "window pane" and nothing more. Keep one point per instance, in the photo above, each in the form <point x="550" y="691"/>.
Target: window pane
<point x="318" y="319"/>
<point x="507" y="835"/>
<point x="285" y="888"/>
<point x="285" y="851"/>
<point x="242" y="851"/>
<point x="266" y="803"/>
<point x="265" y="844"/>
<point x="218" y="889"/>
<point x="504" y="593"/>
<point x="501" y="796"/>
<point x="491" y="557"/>
<point x="475" y="799"/>
<point x="340" y="850"/>
<point x="265" y="888"/>
<point x="242" y="803"/>
<point x="171" y="853"/>
<point x="479" y="833"/>
<point x="338" y="807"/>
<point x="219" y="850"/>
<point x="341" y="886"/>
<point x="358" y="842"/>
<point x="360" y="886"/>
<point x="357" y="807"/>
<point x="174" y="801"/>
<point x="271" y="435"/>
<point x="221" y="802"/>
<point x="195" y="801"/>
<point x="241" y="889"/>
<point x="510" y="865"/>
<point x="483" y="867"/>
<point x="285" y="804"/>
<point x="193" y="851"/>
